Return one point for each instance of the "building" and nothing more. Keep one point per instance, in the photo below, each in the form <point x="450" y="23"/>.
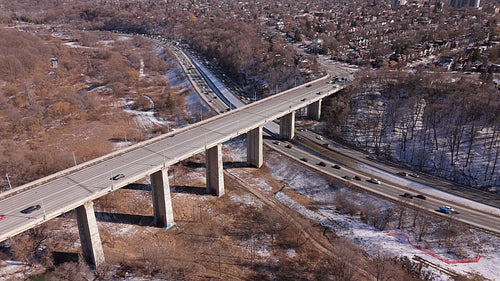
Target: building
<point x="463" y="3"/>
<point x="398" y="2"/>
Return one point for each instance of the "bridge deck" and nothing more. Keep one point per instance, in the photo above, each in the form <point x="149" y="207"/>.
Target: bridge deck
<point x="71" y="188"/>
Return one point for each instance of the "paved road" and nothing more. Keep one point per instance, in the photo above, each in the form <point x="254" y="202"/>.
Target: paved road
<point x="392" y="186"/>
<point x="64" y="193"/>
<point x="388" y="189"/>
<point x="201" y="86"/>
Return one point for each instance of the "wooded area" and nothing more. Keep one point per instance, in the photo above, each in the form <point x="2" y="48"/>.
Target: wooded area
<point x="449" y="129"/>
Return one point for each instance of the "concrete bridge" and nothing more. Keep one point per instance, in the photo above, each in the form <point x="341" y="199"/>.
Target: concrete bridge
<point x="77" y="187"/>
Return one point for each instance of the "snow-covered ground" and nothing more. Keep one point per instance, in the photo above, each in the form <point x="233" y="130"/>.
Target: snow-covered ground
<point x="370" y="238"/>
<point x="409" y="130"/>
<point x="144" y="119"/>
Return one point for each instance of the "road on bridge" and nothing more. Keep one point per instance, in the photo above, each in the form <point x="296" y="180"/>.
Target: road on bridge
<point x="73" y="188"/>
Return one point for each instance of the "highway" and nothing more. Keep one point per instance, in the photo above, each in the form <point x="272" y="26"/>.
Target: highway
<point x="391" y="187"/>
<point x="88" y="181"/>
<point x="386" y="189"/>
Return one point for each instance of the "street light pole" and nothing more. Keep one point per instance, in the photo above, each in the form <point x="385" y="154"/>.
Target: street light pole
<point x="43" y="209"/>
<point x="8" y="180"/>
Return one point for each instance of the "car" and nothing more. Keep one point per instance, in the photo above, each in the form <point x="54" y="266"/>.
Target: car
<point x="288" y="146"/>
<point x="408" y="195"/>
<point x="358" y="178"/>
<point x="276" y="142"/>
<point x="117" y="177"/>
<point x="420" y="196"/>
<point x="336" y="166"/>
<point x="318" y="93"/>
<point x="308" y="85"/>
<point x="303" y="159"/>
<point x="403" y="174"/>
<point x="347" y="177"/>
<point x="446" y="210"/>
<point x="371" y="157"/>
<point x="304" y="99"/>
<point x="2" y="217"/>
<point x="322" y="164"/>
<point x="320" y="138"/>
<point x="372" y="180"/>
<point x="30" y="209"/>
<point x="414" y="175"/>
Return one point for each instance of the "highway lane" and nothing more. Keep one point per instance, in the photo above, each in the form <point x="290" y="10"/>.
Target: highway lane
<point x="200" y="85"/>
<point x="67" y="192"/>
<point x="392" y="191"/>
<point x="423" y="182"/>
<point x="386" y="189"/>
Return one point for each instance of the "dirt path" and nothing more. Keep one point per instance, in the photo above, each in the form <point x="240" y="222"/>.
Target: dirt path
<point x="305" y="226"/>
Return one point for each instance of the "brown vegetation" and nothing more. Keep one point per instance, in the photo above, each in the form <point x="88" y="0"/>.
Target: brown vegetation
<point x="59" y="105"/>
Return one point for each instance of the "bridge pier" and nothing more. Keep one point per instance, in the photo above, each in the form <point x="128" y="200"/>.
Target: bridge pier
<point x="215" y="172"/>
<point x="254" y="147"/>
<point x="314" y="110"/>
<point x="89" y="235"/>
<point x="287" y="126"/>
<point x="162" y="204"/>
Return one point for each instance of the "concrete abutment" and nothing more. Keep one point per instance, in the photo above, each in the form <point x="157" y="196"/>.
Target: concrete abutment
<point x="314" y="110"/>
<point x="215" y="172"/>
<point x="254" y="147"/>
<point x="162" y="203"/>
<point x="287" y="126"/>
<point x="89" y="235"/>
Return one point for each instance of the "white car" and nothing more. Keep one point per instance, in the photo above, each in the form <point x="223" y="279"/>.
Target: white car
<point x="375" y="181"/>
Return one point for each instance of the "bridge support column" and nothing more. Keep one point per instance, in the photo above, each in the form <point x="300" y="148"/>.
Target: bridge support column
<point x="162" y="204"/>
<point x="254" y="147"/>
<point x="215" y="172"/>
<point x="89" y="234"/>
<point x="314" y="110"/>
<point x="287" y="126"/>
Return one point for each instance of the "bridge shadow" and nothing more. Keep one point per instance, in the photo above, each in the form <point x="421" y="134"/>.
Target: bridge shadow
<point x="62" y="257"/>
<point x="237" y="164"/>
<point x="192" y="164"/>
<point x="117" y="140"/>
<point x="124" y="218"/>
<point x="138" y="186"/>
<point x="190" y="190"/>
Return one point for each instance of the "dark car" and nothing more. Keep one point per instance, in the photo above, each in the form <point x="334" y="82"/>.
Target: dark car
<point x="288" y="146"/>
<point x="336" y="166"/>
<point x="117" y="177"/>
<point x="346" y="177"/>
<point x="303" y="159"/>
<point x="420" y="196"/>
<point x="309" y="85"/>
<point x="322" y="164"/>
<point x="30" y="209"/>
<point x="358" y="178"/>
<point x="408" y="195"/>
